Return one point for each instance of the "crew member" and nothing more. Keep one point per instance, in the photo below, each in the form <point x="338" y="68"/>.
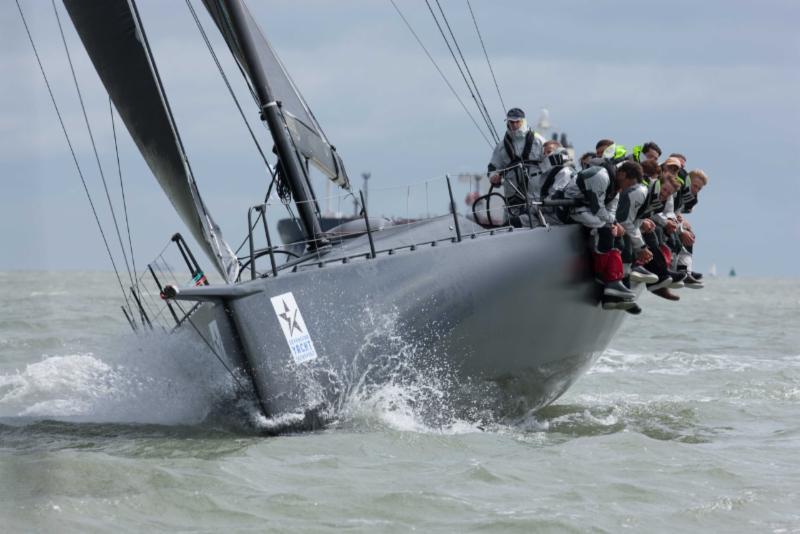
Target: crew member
<point x="514" y="160"/>
<point x="601" y="147"/>
<point x="597" y="188"/>
<point x="659" y="224"/>
<point x="694" y="182"/>
<point x="647" y="151"/>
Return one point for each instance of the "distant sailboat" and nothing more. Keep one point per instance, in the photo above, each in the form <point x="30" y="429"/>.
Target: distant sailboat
<point x="712" y="271"/>
<point x="732" y="272"/>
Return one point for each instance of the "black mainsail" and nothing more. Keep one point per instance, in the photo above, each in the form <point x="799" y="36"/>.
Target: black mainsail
<point x="298" y="136"/>
<point x="115" y="41"/>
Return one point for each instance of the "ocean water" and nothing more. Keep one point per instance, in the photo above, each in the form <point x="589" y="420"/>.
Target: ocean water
<point x="689" y="422"/>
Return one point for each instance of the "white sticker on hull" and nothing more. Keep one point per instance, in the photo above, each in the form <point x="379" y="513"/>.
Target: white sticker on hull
<point x="294" y="328"/>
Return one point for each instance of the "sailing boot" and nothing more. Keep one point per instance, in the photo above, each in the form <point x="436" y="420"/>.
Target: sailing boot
<point x="609" y="266"/>
<point x="692" y="282"/>
<point x="640" y="275"/>
<point x="611" y="302"/>
<point x="677" y="279"/>
<point x="634" y="310"/>
<point x="665" y="293"/>
<point x="663" y="282"/>
<point x="618" y="289"/>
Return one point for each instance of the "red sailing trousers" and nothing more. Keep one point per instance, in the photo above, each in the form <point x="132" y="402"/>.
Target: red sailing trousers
<point x="608" y="265"/>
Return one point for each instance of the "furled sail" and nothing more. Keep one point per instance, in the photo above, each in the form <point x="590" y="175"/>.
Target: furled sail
<point x="114" y="39"/>
<point x="303" y="127"/>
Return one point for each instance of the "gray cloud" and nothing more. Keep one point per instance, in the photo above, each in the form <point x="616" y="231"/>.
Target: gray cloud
<point x="716" y="80"/>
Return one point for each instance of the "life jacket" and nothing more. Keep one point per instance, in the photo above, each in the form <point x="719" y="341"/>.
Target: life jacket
<point x="680" y="194"/>
<point x="689" y="201"/>
<point x="508" y="143"/>
<point x="611" y="169"/>
<point x="653" y="203"/>
<point x="549" y="180"/>
<point x="616" y="153"/>
<point x="611" y="189"/>
<point x="519" y="197"/>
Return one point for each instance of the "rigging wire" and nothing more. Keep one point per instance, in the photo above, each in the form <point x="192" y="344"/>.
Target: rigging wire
<point x="486" y="55"/>
<point x="270" y="168"/>
<point x="476" y="96"/>
<point x="228" y="85"/>
<point x="74" y="157"/>
<point x="486" y="120"/>
<point x="439" y="70"/>
<point x="94" y="146"/>
<point x="122" y="189"/>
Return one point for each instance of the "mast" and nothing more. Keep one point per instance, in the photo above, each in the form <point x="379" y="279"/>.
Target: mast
<point x="290" y="162"/>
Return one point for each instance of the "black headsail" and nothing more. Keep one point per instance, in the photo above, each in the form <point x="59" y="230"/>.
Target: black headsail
<point x="297" y="134"/>
<point x="113" y="36"/>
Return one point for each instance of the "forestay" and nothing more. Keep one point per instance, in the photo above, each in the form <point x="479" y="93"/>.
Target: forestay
<point x="303" y="127"/>
<point x="114" y="39"/>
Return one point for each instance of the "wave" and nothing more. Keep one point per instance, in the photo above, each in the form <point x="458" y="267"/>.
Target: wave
<point x="404" y="389"/>
<point x="678" y="362"/>
<point x="34" y="294"/>
<point x="160" y="380"/>
<point x="663" y="419"/>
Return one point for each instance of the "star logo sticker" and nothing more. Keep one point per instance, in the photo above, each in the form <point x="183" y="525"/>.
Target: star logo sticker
<point x="290" y="318"/>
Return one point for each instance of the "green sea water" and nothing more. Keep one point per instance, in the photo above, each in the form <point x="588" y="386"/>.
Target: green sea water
<point x="689" y="422"/>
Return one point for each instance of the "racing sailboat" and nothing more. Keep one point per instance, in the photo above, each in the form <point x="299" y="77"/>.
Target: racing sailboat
<point x="509" y="311"/>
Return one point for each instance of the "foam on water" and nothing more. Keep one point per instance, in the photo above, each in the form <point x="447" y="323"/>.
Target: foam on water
<point x="160" y="379"/>
<point x="404" y="388"/>
<point x="674" y="362"/>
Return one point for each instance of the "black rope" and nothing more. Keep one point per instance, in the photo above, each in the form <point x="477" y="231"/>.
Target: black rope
<point x="439" y="70"/>
<point x="486" y="55"/>
<point x="479" y="100"/>
<point x="94" y="146"/>
<point x="74" y="157"/>
<point x="122" y="189"/>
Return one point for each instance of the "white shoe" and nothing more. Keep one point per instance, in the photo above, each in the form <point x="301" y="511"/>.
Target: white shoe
<point x="640" y="275"/>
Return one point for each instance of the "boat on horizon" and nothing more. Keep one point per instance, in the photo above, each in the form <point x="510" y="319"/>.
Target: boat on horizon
<point x="507" y="318"/>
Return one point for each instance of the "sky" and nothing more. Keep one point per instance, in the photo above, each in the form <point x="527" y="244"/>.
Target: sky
<point x="717" y="81"/>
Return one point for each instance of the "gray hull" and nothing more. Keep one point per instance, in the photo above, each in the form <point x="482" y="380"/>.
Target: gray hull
<point x="512" y="316"/>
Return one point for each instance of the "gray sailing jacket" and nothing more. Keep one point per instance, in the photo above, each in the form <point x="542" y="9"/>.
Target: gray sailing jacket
<point x="500" y="158"/>
<point x="591" y="186"/>
<point x="516" y="186"/>
<point x="630" y="202"/>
